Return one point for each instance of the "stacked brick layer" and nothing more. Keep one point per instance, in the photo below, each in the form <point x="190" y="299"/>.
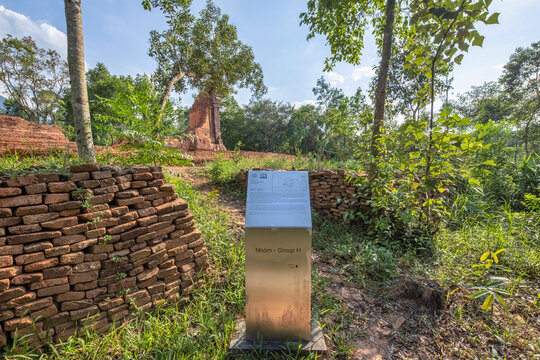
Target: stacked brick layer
<point x="333" y="192"/>
<point x="17" y="134"/>
<point x="93" y="247"/>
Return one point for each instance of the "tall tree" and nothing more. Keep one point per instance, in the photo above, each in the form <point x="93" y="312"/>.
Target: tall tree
<point x="344" y="23"/>
<point x="447" y="28"/>
<point x="521" y="80"/>
<point x="77" y="75"/>
<point x="33" y="77"/>
<point x="203" y="52"/>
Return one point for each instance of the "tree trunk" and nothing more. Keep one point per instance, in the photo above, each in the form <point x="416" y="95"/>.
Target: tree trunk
<point x="77" y="76"/>
<point x="168" y="89"/>
<point x="380" y="92"/>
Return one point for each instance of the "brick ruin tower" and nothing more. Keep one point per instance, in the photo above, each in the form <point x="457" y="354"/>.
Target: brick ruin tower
<point x="204" y="124"/>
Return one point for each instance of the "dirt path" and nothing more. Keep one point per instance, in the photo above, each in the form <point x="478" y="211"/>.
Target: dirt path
<point x="387" y="325"/>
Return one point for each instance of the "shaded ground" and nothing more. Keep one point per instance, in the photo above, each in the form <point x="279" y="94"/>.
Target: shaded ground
<point x="376" y="323"/>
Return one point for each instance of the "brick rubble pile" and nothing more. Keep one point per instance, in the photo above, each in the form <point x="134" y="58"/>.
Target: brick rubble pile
<point x="95" y="246"/>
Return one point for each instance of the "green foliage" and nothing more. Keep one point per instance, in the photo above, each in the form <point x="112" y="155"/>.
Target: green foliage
<point x="521" y="81"/>
<point x="139" y="119"/>
<point x="202" y="51"/>
<point x="33" y="78"/>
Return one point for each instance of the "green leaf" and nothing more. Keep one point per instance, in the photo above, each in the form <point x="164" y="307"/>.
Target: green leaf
<point x="493" y="19"/>
<point x="458" y="59"/>
<point x="490" y="163"/>
<point x="488" y="303"/>
<point x="478" y="40"/>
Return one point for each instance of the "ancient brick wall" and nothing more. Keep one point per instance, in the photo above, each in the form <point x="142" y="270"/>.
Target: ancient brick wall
<point x="332" y="191"/>
<point x="97" y="243"/>
<point x="17" y="134"/>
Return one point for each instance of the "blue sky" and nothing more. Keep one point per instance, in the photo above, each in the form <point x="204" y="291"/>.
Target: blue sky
<point x="116" y="33"/>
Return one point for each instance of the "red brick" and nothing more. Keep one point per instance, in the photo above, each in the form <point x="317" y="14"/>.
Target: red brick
<point x="127" y="283"/>
<point x="165" y="208"/>
<point x="157" y="287"/>
<point x="156" y="182"/>
<point x="73" y="212"/>
<point x="40" y="265"/>
<point x="146" y="212"/>
<point x="31" y="210"/>
<point x="101" y="199"/>
<point x="83" y="313"/>
<point x="86" y="286"/>
<point x="48" y="283"/>
<point x="95" y="233"/>
<point x="44" y="313"/>
<point x="53" y="290"/>
<point x="72" y="258"/>
<point x="67" y="205"/>
<point x="143" y="176"/>
<point x="79" y="176"/>
<point x="33" y="306"/>
<point x="11" y="249"/>
<point x="5" y="212"/>
<point x="69" y="296"/>
<point x="10" y="272"/>
<point x="105" y="190"/>
<point x="27" y="278"/>
<point x="35" y="188"/>
<point x="37" y="218"/>
<point x="84" y="168"/>
<point x="107" y="182"/>
<point x="95" y="257"/>
<point x="83" y="277"/>
<point x="87" y="266"/>
<point x="173" y="215"/>
<point x="13" y="324"/>
<point x="149" y="190"/>
<point x="111" y="304"/>
<point x="57" y="251"/>
<point x="10" y="221"/>
<point x="4" y="284"/>
<point x="56" y="198"/>
<point x="95" y="293"/>
<point x="29" y="258"/>
<point x="98" y="175"/>
<point x="60" y="223"/>
<point x="88" y="184"/>
<point x="6" y="260"/>
<point x="140" y="254"/>
<point x="57" y="272"/>
<point x="94" y="216"/>
<point x="24" y="229"/>
<point x="47" y="178"/>
<point x="148" y="220"/>
<point x="138" y="184"/>
<point x="68" y="240"/>
<point x="9" y="191"/>
<point x="75" y="229"/>
<point x="76" y="304"/>
<point x="13" y="292"/>
<point x="83" y="244"/>
<point x="62" y="187"/>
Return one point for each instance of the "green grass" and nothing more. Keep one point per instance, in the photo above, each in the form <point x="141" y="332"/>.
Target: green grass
<point x="222" y="171"/>
<point x="199" y="328"/>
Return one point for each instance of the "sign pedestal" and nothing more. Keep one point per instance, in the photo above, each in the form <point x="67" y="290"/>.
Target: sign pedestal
<point x="278" y="265"/>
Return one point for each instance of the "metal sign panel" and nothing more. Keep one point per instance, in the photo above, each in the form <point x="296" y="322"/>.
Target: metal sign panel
<point x="278" y="199"/>
<point x="278" y="256"/>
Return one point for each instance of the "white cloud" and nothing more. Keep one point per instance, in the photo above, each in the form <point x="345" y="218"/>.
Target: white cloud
<point x="334" y="78"/>
<point x="45" y="35"/>
<point x="498" y="67"/>
<point x="298" y="104"/>
<point x="362" y="72"/>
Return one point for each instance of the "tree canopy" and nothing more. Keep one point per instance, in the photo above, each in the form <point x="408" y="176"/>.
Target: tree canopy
<point x="34" y="78"/>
